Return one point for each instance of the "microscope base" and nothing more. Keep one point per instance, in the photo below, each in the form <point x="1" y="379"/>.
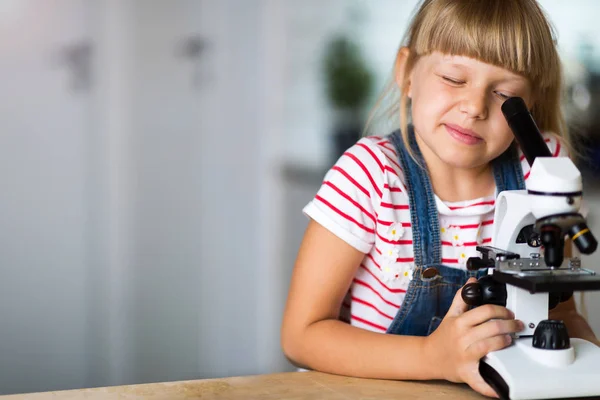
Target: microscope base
<point x="521" y="371"/>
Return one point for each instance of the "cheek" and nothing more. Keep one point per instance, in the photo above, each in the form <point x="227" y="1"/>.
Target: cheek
<point x="503" y="136"/>
<point x="430" y="102"/>
<point x="504" y="133"/>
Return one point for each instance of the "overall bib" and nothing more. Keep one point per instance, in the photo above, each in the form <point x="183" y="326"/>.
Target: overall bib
<point x="433" y="286"/>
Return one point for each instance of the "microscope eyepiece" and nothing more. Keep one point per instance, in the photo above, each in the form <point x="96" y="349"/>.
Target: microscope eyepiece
<point x="524" y="128"/>
<point x="581" y="235"/>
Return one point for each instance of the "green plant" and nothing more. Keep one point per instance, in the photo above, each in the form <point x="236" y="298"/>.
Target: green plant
<point x="347" y="77"/>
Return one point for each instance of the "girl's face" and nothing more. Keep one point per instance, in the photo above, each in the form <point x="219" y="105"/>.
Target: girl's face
<point x="456" y="110"/>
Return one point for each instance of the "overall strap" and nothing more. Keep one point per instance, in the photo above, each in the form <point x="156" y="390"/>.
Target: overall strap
<point x="423" y="209"/>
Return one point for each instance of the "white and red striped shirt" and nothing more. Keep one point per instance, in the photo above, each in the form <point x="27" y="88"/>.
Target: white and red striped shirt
<point x="363" y="201"/>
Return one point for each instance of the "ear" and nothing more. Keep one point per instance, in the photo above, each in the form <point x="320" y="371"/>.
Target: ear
<point x="400" y="68"/>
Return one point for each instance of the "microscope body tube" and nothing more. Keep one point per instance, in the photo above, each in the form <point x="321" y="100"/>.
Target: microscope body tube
<point x="525" y="130"/>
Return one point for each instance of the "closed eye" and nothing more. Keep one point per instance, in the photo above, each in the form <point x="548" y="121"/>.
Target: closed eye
<point x="452" y="80"/>
<point x="502" y="95"/>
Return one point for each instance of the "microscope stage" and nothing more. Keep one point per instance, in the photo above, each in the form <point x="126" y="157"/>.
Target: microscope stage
<point x="534" y="276"/>
<point x="550" y="281"/>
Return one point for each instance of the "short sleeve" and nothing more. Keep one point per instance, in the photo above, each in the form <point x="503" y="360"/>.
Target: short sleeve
<point x="348" y="201"/>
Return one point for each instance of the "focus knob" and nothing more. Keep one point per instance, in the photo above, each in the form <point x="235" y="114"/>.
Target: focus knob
<point x="551" y="335"/>
<point x="485" y="291"/>
<point x="472" y="294"/>
<point x="492" y="292"/>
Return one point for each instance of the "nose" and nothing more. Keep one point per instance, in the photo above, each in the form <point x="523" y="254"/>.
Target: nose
<point x="474" y="104"/>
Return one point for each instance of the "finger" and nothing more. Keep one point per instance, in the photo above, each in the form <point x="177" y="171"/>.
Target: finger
<point x="458" y="306"/>
<point x="494" y="328"/>
<point x="479" y="349"/>
<point x="481" y="314"/>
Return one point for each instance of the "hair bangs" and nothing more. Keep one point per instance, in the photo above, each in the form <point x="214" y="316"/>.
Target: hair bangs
<point x="495" y="32"/>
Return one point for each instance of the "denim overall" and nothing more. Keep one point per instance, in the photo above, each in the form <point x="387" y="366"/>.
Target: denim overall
<point x="433" y="286"/>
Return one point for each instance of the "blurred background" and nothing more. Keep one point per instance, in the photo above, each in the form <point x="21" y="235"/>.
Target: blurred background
<point x="154" y="160"/>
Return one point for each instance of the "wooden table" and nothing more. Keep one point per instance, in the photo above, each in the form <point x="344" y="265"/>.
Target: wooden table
<point x="292" y="385"/>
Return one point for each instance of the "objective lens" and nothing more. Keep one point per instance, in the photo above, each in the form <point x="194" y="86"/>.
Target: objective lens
<point x="581" y="235"/>
<point x="553" y="241"/>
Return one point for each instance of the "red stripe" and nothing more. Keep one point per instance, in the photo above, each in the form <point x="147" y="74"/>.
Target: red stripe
<point x="373" y="260"/>
<point x="365" y="284"/>
<point x="472" y="226"/>
<point x="346" y="216"/>
<point x="395" y="206"/>
<point x="394" y="162"/>
<point x="482" y="203"/>
<point x="392" y="189"/>
<point x="557" y="149"/>
<point x="381" y="283"/>
<point x="364" y="146"/>
<point x="351" y="200"/>
<point x="450" y="260"/>
<point x="364" y="321"/>
<point x="354" y="182"/>
<point x="394" y="241"/>
<point x="388" y="223"/>
<point x="365" y="170"/>
<point x="467" y="244"/>
<point x="391" y="159"/>
<point x="385" y="144"/>
<point x="391" y="170"/>
<point x="356" y="299"/>
<point x="526" y="175"/>
<point x="522" y="157"/>
<point x="383" y="168"/>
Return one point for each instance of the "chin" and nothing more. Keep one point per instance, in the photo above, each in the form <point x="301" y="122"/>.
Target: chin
<point x="461" y="159"/>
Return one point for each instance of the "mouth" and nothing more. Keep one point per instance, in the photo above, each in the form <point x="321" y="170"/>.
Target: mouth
<point x="462" y="135"/>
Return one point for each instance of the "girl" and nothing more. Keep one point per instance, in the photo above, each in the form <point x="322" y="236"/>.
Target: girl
<point x="375" y="290"/>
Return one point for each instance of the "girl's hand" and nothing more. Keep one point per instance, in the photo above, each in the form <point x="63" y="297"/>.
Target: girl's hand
<point x="465" y="336"/>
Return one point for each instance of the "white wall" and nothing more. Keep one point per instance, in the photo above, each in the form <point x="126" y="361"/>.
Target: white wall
<point x="43" y="206"/>
<point x="140" y="215"/>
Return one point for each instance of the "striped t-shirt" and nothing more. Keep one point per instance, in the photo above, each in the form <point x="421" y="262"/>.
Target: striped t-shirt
<point x="363" y="201"/>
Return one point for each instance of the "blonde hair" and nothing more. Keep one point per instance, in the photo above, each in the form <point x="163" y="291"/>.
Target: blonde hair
<point x="513" y="34"/>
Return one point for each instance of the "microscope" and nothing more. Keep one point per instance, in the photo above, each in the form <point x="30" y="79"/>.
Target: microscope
<point x="529" y="275"/>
